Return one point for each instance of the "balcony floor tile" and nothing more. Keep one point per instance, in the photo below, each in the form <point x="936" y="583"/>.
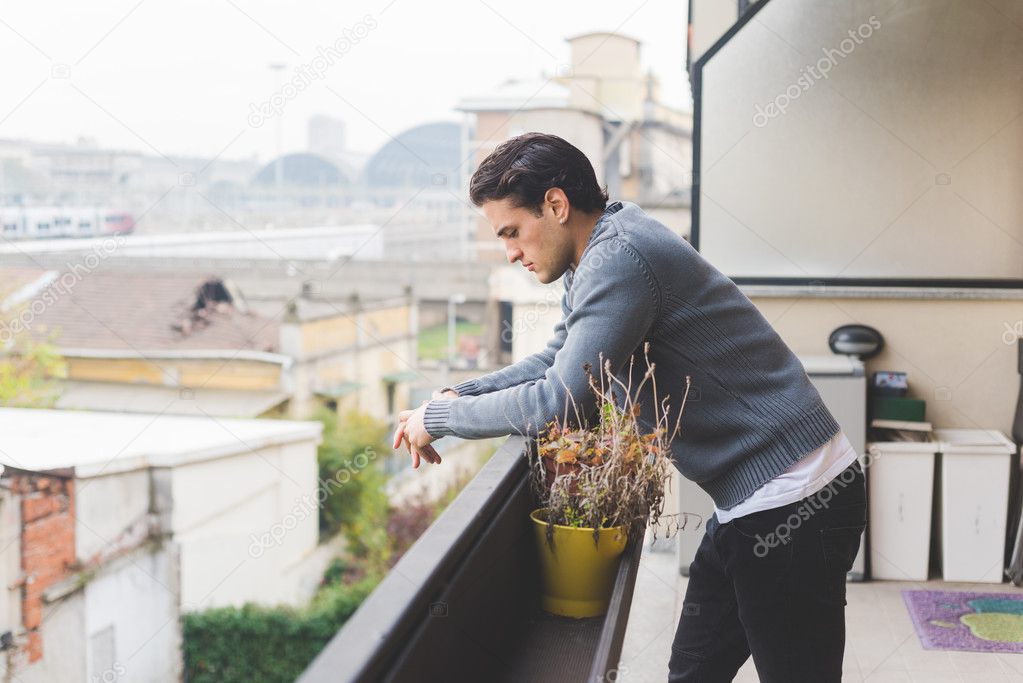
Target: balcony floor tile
<point x="881" y="644"/>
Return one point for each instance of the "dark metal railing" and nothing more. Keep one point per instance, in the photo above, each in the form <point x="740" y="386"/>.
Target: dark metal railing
<point x="463" y="602"/>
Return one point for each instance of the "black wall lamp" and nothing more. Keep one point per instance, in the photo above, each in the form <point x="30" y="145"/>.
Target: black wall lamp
<point x="856" y="340"/>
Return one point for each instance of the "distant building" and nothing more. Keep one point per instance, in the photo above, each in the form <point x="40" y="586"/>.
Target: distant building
<point x="113" y="526"/>
<point x="194" y="344"/>
<point x="425" y="156"/>
<point x="84" y="173"/>
<point x="81" y="177"/>
<point x="303" y="169"/>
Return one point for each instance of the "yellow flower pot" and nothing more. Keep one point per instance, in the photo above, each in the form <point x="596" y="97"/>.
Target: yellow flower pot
<point x="578" y="574"/>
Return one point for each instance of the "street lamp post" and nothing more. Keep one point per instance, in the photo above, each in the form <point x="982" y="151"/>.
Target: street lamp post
<point x="278" y="70"/>
<point x="453" y="301"/>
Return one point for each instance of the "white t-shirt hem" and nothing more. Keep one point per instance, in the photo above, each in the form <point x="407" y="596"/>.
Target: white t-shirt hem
<point x="805" y="477"/>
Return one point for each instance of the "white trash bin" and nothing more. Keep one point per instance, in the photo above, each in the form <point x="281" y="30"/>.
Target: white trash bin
<point x="901" y="476"/>
<point x="975" y="467"/>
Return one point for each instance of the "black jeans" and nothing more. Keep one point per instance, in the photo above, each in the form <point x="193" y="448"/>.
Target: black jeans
<point x="772" y="584"/>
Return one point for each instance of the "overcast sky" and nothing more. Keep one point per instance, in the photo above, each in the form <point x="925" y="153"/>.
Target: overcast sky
<point x="179" y="77"/>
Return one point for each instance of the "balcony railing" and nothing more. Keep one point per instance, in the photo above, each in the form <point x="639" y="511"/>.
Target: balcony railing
<point x="464" y="602"/>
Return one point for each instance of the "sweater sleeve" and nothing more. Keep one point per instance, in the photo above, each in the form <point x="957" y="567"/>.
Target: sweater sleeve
<point x="528" y="369"/>
<point x="615" y="300"/>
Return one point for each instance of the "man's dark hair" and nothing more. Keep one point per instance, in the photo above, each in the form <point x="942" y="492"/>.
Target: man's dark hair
<point x="525" y="167"/>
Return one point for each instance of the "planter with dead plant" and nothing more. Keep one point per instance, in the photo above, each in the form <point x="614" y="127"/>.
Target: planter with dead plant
<point x="599" y="484"/>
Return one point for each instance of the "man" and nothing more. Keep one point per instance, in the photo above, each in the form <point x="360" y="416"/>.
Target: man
<point x="769" y="576"/>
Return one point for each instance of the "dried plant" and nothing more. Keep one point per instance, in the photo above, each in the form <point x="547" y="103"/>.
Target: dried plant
<point x="614" y="473"/>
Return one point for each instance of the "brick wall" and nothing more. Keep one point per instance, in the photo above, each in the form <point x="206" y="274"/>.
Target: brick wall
<point x="47" y="545"/>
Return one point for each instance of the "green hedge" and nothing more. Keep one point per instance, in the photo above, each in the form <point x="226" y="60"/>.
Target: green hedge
<point x="266" y="644"/>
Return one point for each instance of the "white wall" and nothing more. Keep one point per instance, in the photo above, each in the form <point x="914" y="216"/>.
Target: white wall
<point x="10" y="562"/>
<point x="223" y="507"/>
<point x="710" y="19"/>
<point x="132" y="632"/>
<point x="955" y="352"/>
<point x="105" y="506"/>
<point x="130" y="628"/>
<point x="904" y="161"/>
<point x="63" y="644"/>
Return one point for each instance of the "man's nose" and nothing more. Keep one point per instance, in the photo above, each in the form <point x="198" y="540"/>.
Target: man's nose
<point x="514" y="255"/>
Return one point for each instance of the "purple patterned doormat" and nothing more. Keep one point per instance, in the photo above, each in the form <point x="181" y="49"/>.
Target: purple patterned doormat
<point x="974" y="622"/>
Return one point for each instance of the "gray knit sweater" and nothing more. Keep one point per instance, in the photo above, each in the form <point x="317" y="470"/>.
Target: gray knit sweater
<point x="751" y="412"/>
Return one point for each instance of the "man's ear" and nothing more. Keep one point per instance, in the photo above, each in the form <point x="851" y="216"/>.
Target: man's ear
<point x="558" y="201"/>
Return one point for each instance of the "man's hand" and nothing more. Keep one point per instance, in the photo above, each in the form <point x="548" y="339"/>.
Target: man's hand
<point x="412" y="431"/>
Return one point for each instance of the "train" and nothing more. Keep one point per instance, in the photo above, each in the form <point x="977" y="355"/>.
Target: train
<point x="41" y="222"/>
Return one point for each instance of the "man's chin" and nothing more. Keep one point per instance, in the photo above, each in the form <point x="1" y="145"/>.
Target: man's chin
<point x="547" y="277"/>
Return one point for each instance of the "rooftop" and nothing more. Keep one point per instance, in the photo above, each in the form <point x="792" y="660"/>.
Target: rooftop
<point x="603" y="34"/>
<point x="313" y="242"/>
<point x="146" y="311"/>
<point x="143" y="398"/>
<point x="537" y="93"/>
<point x="17" y="283"/>
<point x="95" y="443"/>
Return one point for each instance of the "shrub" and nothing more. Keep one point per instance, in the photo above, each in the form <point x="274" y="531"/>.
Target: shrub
<point x="407" y="523"/>
<point x="349" y="469"/>
<point x="266" y="644"/>
<point x="26" y="375"/>
<point x="411" y="519"/>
